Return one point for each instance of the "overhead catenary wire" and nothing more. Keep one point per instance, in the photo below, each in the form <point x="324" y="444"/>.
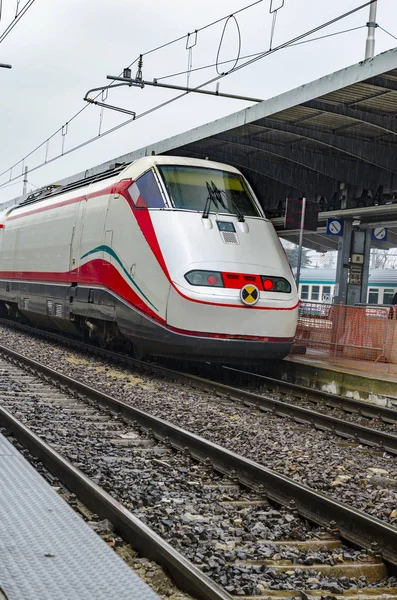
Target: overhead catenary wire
<point x="160" y="47"/>
<point x="221" y="42"/>
<point x="210" y="65"/>
<point x="182" y="37"/>
<point x="16" y="20"/>
<point x="47" y="140"/>
<point x="18" y="183"/>
<point x="303" y="35"/>
<point x="261" y="55"/>
<point x="157" y="107"/>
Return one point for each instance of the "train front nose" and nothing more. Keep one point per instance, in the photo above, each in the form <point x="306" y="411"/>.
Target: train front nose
<point x="232" y="326"/>
<point x="230" y="303"/>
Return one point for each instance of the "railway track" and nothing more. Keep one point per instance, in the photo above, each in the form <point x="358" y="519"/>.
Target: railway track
<point x="338" y="405"/>
<point x="374" y="436"/>
<point x="235" y="527"/>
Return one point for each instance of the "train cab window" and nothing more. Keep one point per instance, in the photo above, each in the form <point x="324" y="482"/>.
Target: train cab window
<point x="388" y="296"/>
<point x="315" y="292"/>
<point x="190" y="187"/>
<point x="145" y="192"/>
<point x="373" y="296"/>
<point x="305" y="292"/>
<point x="326" y="295"/>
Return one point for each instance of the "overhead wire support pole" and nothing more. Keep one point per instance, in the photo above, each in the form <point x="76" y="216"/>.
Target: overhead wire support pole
<point x="5" y="66"/>
<point x="110" y="130"/>
<point x="372" y="25"/>
<point x="180" y="88"/>
<point x="25" y="180"/>
<point x="298" y="267"/>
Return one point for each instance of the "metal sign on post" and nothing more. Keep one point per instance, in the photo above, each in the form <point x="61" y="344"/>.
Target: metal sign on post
<point x="379" y="234"/>
<point x="293" y="214"/>
<point x="335" y="227"/>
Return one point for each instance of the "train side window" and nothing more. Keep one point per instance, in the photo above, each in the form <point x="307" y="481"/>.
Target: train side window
<point x="326" y="295"/>
<point x="373" y="296"/>
<point x="145" y="192"/>
<point x="305" y="292"/>
<point x="315" y="292"/>
<point x="388" y="296"/>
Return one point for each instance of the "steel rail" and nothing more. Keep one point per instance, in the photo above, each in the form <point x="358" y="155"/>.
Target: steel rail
<point x="356" y="406"/>
<point x="143" y="539"/>
<point x="389" y="415"/>
<point x="353" y="525"/>
<point x="381" y="440"/>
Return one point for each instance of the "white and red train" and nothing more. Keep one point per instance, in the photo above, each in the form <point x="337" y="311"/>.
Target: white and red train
<point x="173" y="254"/>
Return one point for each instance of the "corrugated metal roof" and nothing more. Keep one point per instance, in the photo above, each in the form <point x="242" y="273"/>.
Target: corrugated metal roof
<point x="392" y="75"/>
<point x="362" y="130"/>
<point x="352" y="93"/>
<point x="385" y="103"/>
<point x="278" y="137"/>
<point x="328" y="122"/>
<point x="296" y="113"/>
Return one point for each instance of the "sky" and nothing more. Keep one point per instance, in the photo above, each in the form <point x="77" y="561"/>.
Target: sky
<point x="62" y="48"/>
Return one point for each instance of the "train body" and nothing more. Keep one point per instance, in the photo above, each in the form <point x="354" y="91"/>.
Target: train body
<point x="173" y="254"/>
<point x="318" y="285"/>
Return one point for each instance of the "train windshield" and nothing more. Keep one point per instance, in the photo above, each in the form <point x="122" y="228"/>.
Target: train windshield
<point x="188" y="189"/>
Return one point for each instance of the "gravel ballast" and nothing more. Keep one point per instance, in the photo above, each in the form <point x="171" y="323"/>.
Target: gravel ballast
<point x="354" y="474"/>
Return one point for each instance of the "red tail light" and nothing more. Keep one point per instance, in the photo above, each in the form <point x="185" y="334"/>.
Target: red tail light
<point x="268" y="284"/>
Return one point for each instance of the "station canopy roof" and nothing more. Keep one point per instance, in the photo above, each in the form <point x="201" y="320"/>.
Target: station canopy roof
<point x="334" y="136"/>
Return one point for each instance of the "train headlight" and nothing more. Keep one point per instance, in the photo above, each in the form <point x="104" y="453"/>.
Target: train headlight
<point x="276" y="284"/>
<point x="209" y="278"/>
<point x="282" y="285"/>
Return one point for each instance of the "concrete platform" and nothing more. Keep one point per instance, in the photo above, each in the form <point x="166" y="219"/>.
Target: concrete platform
<point x="47" y="551"/>
<point x="362" y="380"/>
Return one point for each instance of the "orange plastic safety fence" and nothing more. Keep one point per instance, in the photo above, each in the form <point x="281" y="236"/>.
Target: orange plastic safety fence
<point x="354" y="332"/>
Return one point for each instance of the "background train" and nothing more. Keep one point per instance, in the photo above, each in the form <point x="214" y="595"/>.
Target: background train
<point x="173" y="254"/>
<point x="318" y="285"/>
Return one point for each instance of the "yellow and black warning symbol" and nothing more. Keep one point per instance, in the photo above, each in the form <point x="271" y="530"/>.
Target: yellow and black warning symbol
<point x="249" y="294"/>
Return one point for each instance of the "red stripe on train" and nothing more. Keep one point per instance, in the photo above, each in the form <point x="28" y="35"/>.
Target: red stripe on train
<point x="95" y="272"/>
<point x="143" y="218"/>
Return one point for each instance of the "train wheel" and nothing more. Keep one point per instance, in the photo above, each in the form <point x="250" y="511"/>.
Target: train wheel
<point x="139" y="352"/>
<point x="101" y="341"/>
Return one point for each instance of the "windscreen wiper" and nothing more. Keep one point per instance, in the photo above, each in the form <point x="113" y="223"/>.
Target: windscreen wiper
<point x="218" y="193"/>
<point x="211" y="198"/>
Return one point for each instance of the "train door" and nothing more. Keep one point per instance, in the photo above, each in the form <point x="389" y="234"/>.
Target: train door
<point x="13" y="292"/>
<point x="95" y="252"/>
<point x="108" y="252"/>
<point x="74" y="260"/>
<point x="89" y="239"/>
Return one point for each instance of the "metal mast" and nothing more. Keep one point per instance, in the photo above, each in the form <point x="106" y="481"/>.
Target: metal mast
<point x="370" y="44"/>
